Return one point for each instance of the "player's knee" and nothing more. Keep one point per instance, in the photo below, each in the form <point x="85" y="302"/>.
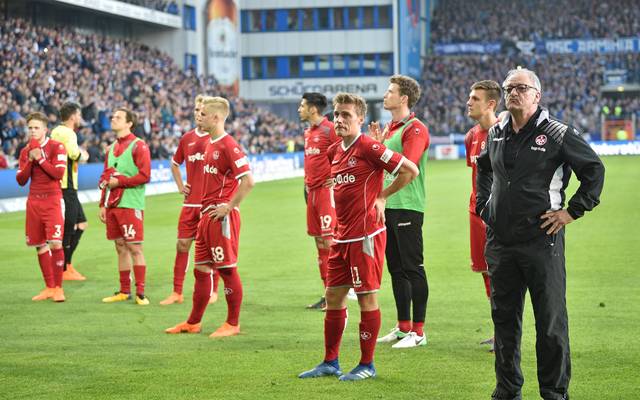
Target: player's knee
<point x="336" y="297"/>
<point x="121" y="246"/>
<point x="368" y="301"/>
<point x="55" y="245"/>
<point x="42" y="249"/>
<point x="206" y="268"/>
<point x="323" y="243"/>
<point x="135" y="249"/>
<point x="183" y="245"/>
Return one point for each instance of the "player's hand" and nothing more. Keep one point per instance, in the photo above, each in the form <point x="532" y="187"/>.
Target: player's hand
<point x="379" y="205"/>
<point x="35" y="154"/>
<point x="375" y="132"/>
<point x="113" y="183"/>
<point x="186" y="189"/>
<point x="555" y="220"/>
<point x="328" y="183"/>
<point x="102" y="214"/>
<point x="220" y="212"/>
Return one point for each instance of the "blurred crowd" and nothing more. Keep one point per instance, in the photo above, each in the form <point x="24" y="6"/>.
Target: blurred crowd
<point x="447" y="80"/>
<point x="41" y="68"/>
<point x="168" y="6"/>
<point x="495" y="20"/>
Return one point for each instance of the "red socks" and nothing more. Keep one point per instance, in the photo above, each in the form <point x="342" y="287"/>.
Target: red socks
<point x="46" y="266"/>
<point x="369" y="327"/>
<point x="404" y="326"/>
<point x="125" y="281"/>
<point x="334" y="323"/>
<point x="57" y="263"/>
<point x="179" y="270"/>
<point x="233" y="293"/>
<point x="418" y="328"/>
<point x="201" y="295"/>
<point x="139" y="273"/>
<point x="323" y="264"/>
<point x="487" y="284"/>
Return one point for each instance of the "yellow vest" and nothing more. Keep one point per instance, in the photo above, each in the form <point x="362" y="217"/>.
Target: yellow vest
<point x="68" y="138"/>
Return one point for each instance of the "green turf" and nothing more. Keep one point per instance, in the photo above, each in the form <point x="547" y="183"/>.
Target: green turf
<point x="83" y="349"/>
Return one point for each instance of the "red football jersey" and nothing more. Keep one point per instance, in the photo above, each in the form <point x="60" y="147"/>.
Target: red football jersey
<point x="317" y="139"/>
<point x="191" y="148"/>
<point x="224" y="164"/>
<point x="474" y="142"/>
<point x="46" y="173"/>
<point x="358" y="173"/>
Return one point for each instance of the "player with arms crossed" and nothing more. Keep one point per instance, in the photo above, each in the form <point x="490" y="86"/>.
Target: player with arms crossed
<point x="127" y="170"/>
<point x="357" y="256"/>
<point x="191" y="150"/>
<point x="483" y="102"/>
<point x="44" y="161"/>
<point x="321" y="212"/>
<point x="227" y="182"/>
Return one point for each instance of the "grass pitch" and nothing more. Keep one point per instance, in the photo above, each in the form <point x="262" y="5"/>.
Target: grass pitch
<point x="83" y="349"/>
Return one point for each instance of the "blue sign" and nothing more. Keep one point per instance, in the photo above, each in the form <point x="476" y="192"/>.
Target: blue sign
<point x="410" y="37"/>
<point x="466" y="48"/>
<point x="573" y="46"/>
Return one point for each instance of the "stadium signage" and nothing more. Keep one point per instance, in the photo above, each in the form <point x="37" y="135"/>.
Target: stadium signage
<point x="466" y="48"/>
<point x="616" y="148"/>
<point x="621" y="45"/>
<point x="299" y="88"/>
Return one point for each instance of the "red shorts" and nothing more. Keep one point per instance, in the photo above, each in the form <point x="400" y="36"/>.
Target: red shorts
<point x="125" y="223"/>
<point x="217" y="241"/>
<point x="357" y="264"/>
<point x="321" y="212"/>
<point x="478" y="238"/>
<point x="45" y="219"/>
<point x="188" y="222"/>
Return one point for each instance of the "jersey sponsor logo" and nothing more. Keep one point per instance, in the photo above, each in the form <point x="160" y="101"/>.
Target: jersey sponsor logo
<point x="352" y="162"/>
<point x="311" y="151"/>
<point x="62" y="157"/>
<point x="343" y="178"/>
<point x="541" y="140"/>
<point x="542" y="149"/>
<point x="209" y="169"/>
<point x="196" y="157"/>
<point x="498" y="139"/>
<point x="473" y="159"/>
<point x="386" y="156"/>
<point x="241" y="162"/>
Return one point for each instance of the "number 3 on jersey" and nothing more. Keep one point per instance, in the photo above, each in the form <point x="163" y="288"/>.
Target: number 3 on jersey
<point x="128" y="231"/>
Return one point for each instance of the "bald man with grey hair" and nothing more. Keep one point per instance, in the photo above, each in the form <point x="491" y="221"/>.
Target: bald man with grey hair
<point x="522" y="176"/>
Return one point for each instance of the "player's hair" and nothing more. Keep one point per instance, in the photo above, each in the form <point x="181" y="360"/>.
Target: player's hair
<point x="217" y="104"/>
<point x="317" y="100"/>
<point x="350" y="98"/>
<point x="491" y="88"/>
<point x="532" y="76"/>
<point x="38" y="116"/>
<point x="408" y="87"/>
<point x="130" y="116"/>
<point x="68" y="109"/>
<point x="200" y="98"/>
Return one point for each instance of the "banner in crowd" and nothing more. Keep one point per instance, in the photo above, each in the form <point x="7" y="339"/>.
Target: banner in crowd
<point x="444" y="49"/>
<point x="556" y="46"/>
<point x="410" y="36"/>
<point x="265" y="167"/>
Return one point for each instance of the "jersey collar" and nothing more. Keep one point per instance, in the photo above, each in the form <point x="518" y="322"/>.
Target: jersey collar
<point x="354" y="140"/>
<point x="218" y="139"/>
<point x="200" y="133"/>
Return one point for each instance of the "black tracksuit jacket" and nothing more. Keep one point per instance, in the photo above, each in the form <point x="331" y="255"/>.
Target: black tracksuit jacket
<point x="511" y="202"/>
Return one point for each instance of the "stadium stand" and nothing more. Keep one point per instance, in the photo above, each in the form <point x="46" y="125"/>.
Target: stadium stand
<point x="161" y="5"/>
<point x="42" y="67"/>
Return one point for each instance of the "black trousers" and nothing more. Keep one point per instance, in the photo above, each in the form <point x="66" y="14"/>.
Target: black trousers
<point x="538" y="266"/>
<point x="405" y="263"/>
<point x="73" y="214"/>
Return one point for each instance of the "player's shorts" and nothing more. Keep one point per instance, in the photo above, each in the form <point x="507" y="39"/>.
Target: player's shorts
<point x="125" y="223"/>
<point x="321" y="212"/>
<point x="357" y="264"/>
<point x="73" y="212"/>
<point x="478" y="238"/>
<point x="45" y="219"/>
<point x="217" y="241"/>
<point x="188" y="222"/>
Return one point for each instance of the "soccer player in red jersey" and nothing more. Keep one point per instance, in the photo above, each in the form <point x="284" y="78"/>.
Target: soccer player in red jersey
<point x="127" y="170"/>
<point x="321" y="212"/>
<point x="43" y="161"/>
<point x="191" y="149"/>
<point x="483" y="102"/>
<point x="227" y="182"/>
<point x="358" y="163"/>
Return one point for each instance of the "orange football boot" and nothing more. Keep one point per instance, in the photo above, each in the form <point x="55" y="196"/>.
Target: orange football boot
<point x="184" y="327"/>
<point x="173" y="298"/>
<point x="226" y="330"/>
<point x="47" y="293"/>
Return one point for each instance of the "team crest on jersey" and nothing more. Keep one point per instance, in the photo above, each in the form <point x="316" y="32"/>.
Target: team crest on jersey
<point x="216" y="155"/>
<point x="138" y="214"/>
<point x="541" y="140"/>
<point x="316" y="139"/>
<point x="375" y="146"/>
<point x="352" y="162"/>
<point x="236" y="150"/>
